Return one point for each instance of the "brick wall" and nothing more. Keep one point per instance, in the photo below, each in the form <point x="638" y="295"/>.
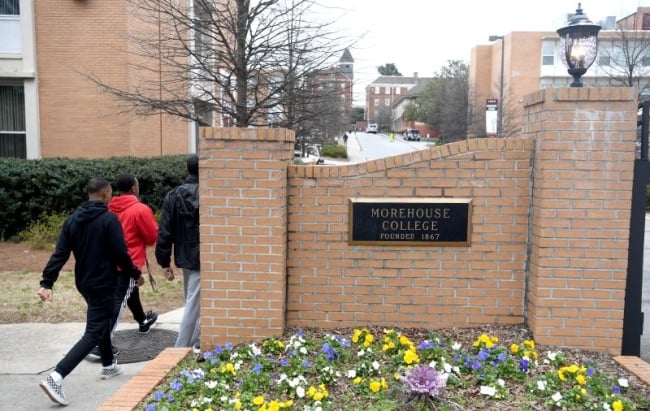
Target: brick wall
<point x="79" y="38"/>
<point x="580" y="216"/>
<point x="549" y="231"/>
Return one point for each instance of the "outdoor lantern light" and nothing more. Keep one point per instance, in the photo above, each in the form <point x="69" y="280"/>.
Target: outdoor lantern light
<point x="578" y="45"/>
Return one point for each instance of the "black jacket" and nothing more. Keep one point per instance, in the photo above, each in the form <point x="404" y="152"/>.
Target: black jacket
<point x="95" y="237"/>
<point x="179" y="226"/>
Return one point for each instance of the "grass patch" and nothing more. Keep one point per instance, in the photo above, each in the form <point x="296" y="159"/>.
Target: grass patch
<point x="20" y="304"/>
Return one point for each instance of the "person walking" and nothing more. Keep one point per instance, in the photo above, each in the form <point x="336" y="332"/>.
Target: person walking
<point x="179" y="229"/>
<point x="140" y="230"/>
<point x="95" y="237"/>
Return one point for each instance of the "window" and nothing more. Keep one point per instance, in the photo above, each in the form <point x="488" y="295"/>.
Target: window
<point x="13" y="139"/>
<point x="10" y="7"/>
<point x="387" y="102"/>
<point x="398" y="90"/>
<point x="604" y="60"/>
<point x="645" y="23"/>
<point x="377" y="88"/>
<point x="548" y="54"/>
<point x="645" y="61"/>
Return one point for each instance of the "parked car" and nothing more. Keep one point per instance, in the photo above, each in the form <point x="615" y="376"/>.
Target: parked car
<point x="309" y="154"/>
<point x="412" y="135"/>
<point x="372" y="128"/>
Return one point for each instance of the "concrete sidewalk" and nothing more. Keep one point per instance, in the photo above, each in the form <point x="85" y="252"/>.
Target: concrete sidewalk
<point x="28" y="352"/>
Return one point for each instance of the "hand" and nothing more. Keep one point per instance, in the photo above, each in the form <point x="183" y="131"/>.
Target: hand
<point x="169" y="273"/>
<point x="140" y="280"/>
<point x="45" y="294"/>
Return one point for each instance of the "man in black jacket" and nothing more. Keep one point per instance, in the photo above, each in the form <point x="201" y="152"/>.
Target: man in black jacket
<point x="95" y="237"/>
<point x="179" y="227"/>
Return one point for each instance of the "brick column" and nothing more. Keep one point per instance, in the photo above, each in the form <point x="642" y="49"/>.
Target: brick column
<point x="243" y="191"/>
<point x="580" y="216"/>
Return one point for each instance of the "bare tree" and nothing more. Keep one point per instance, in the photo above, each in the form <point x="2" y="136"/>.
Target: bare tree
<point x="626" y="59"/>
<point x="250" y="61"/>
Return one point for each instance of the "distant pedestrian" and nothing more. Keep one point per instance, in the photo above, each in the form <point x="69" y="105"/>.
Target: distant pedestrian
<point x="95" y="237"/>
<point x="179" y="229"/>
<point x="345" y="139"/>
<point x="392" y="137"/>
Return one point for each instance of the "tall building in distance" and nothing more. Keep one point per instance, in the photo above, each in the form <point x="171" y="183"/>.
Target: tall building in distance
<point x="532" y="61"/>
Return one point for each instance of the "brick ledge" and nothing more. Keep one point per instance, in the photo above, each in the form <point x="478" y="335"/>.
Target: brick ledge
<point x="140" y="385"/>
<point x="636" y="366"/>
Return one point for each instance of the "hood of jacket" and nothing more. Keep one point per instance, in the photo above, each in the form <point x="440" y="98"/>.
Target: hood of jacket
<point x="88" y="211"/>
<point x="120" y="203"/>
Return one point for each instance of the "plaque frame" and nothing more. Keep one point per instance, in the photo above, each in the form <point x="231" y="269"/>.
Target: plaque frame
<point x="406" y="202"/>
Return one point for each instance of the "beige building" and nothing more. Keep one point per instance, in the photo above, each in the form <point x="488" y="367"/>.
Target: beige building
<point x="532" y="61"/>
<point x="48" y="108"/>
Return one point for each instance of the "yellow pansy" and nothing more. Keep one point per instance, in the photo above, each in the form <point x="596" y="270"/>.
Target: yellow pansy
<point x="580" y="379"/>
<point x="617" y="405"/>
<point x="514" y="348"/>
<point x="259" y="400"/>
<point x="375" y="386"/>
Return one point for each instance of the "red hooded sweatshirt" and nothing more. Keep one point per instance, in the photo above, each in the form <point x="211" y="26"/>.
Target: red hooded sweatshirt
<point x="139" y="225"/>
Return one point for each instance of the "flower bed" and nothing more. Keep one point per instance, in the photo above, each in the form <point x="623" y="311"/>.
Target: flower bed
<point x="380" y="369"/>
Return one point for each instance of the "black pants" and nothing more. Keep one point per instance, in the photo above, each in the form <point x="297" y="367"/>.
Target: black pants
<point x="99" y="322"/>
<point x="127" y="294"/>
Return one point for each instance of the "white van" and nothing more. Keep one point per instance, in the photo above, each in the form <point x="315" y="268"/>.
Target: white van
<point x="372" y="128"/>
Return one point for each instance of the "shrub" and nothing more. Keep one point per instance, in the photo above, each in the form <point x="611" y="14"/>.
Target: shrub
<point x="334" y="151"/>
<point x="42" y="233"/>
<point x="29" y="188"/>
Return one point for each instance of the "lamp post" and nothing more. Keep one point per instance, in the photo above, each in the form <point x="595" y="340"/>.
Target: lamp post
<point x="500" y="108"/>
<point x="579" y="45"/>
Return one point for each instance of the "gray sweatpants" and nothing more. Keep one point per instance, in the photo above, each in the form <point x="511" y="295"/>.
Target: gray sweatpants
<point x="189" y="333"/>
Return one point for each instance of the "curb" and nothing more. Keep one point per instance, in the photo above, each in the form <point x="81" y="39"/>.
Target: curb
<point x="131" y="394"/>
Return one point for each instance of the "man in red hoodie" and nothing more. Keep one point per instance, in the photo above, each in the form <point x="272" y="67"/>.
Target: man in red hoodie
<point x="140" y="230"/>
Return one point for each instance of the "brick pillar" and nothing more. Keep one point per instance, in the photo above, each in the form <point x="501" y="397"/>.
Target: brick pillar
<point x="243" y="192"/>
<point x="580" y="216"/>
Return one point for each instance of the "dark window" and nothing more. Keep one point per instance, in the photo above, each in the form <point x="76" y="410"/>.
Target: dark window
<point x="12" y="122"/>
<point x="10" y="7"/>
<point x="645" y="61"/>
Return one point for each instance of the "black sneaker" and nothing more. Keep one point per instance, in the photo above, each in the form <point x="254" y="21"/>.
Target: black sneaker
<point x="149" y="320"/>
<point x="96" y="355"/>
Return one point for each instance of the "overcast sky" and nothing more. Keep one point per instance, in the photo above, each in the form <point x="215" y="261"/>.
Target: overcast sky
<point x="423" y="35"/>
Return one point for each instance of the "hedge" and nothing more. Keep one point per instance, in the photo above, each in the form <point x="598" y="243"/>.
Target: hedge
<point x="30" y="188"/>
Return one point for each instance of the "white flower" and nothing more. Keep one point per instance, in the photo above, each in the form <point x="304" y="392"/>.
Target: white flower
<point x="255" y="350"/>
<point x="224" y="399"/>
<point x="211" y="384"/>
<point x="447" y="367"/>
<point x="283" y="377"/>
<point x="488" y="390"/>
<point x="375" y="365"/>
<point x="456" y="346"/>
<point x="606" y="406"/>
<point x="360" y="353"/>
<point x="550" y="356"/>
<point x="300" y="392"/>
<point x="622" y="382"/>
<point x="541" y="385"/>
<point x="501" y="382"/>
<point x="456" y="369"/>
<point x="303" y="351"/>
<point x="556" y="397"/>
<point x="351" y="374"/>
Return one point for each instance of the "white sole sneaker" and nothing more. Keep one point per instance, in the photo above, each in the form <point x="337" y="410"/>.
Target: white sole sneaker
<point x="54" y="391"/>
<point x="112" y="371"/>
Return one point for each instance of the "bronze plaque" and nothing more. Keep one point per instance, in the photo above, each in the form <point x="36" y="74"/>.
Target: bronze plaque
<point x="410" y="221"/>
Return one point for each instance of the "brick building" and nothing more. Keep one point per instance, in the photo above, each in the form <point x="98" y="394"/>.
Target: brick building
<point x="383" y="93"/>
<point x="532" y="60"/>
<point x="47" y="106"/>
